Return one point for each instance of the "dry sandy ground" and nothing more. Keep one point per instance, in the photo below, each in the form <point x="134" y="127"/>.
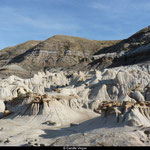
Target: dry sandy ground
<point x="19" y="132"/>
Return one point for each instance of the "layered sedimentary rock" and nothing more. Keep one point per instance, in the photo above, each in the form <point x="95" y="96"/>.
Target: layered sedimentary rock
<point x="121" y="94"/>
<point x="118" y="95"/>
<point x="59" y="51"/>
<point x="133" y="50"/>
<point x="8" y="53"/>
<point x="128" y="113"/>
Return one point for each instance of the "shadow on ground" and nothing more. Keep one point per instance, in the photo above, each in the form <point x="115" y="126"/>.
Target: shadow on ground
<point x="83" y="127"/>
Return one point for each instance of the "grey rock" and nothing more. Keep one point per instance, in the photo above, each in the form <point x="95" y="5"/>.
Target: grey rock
<point x="49" y="123"/>
<point x="73" y="124"/>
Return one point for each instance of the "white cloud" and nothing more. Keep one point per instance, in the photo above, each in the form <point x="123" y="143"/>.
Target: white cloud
<point x="10" y="17"/>
<point x="121" y="6"/>
<point x="97" y="5"/>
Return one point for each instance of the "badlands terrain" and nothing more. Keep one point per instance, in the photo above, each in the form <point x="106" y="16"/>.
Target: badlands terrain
<point x="70" y="91"/>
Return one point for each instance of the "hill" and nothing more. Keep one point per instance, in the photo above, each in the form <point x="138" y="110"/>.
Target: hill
<point x="9" y="53"/>
<point x="59" y="51"/>
<point x="133" y="50"/>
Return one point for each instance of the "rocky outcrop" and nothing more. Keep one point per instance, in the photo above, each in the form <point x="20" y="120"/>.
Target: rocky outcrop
<point x="116" y="90"/>
<point x="59" y="52"/>
<point x="116" y="95"/>
<point x="128" y="113"/>
<point x="134" y="50"/>
<point x="45" y="108"/>
<point x="2" y="106"/>
<point x="9" y="53"/>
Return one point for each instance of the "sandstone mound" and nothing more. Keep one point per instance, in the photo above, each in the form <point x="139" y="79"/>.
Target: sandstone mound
<point x="68" y="94"/>
<point x="128" y="113"/>
<point x="43" y="108"/>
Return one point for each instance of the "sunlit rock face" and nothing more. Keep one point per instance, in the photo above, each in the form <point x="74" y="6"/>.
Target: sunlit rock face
<point x="61" y="93"/>
<point x="114" y="86"/>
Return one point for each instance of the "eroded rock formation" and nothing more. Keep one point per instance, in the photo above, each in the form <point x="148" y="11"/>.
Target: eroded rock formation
<point x="120" y="92"/>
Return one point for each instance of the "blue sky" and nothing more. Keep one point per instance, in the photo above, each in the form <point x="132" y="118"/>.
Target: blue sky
<point x="23" y="20"/>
